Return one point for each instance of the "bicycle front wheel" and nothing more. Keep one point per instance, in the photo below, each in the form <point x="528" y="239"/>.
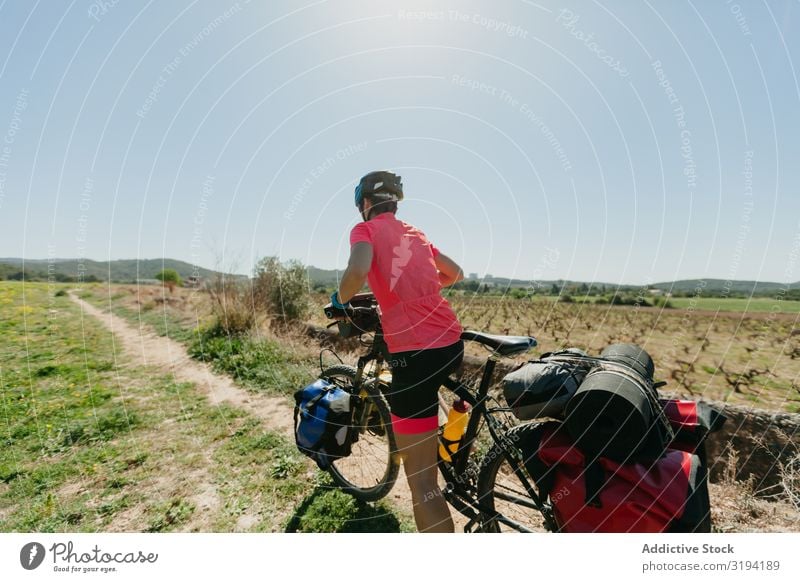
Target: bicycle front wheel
<point x="370" y="471"/>
<point x="506" y="506"/>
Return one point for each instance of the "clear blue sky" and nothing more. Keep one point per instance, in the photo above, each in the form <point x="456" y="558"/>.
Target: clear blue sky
<point x="610" y="141"/>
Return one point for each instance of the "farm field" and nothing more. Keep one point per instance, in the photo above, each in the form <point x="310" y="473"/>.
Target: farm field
<point x="739" y="305"/>
<point x="729" y="357"/>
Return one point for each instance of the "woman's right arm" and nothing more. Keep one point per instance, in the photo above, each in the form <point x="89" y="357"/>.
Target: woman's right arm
<point x="449" y="271"/>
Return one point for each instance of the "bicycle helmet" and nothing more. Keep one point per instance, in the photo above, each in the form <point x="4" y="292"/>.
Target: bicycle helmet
<point x="381" y="186"/>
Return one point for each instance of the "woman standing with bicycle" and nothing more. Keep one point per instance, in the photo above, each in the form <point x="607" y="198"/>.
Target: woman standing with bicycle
<point x="406" y="274"/>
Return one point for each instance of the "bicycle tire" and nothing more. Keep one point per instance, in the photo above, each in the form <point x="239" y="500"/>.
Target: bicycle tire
<point x="506" y="496"/>
<point x="370" y="471"/>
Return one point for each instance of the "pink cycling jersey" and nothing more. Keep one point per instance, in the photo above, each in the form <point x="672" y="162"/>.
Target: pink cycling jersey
<point x="404" y="278"/>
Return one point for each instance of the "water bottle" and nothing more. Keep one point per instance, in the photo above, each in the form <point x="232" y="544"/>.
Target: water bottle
<point x="454" y="429"/>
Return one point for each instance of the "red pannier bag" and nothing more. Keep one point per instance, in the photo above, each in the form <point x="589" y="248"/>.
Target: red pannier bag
<point x="692" y="422"/>
<point x="601" y="495"/>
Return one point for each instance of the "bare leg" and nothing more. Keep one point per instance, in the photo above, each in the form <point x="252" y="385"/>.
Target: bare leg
<point x="419" y="454"/>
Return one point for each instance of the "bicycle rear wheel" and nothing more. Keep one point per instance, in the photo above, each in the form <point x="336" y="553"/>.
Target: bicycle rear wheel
<point x="506" y="505"/>
<point x="370" y="471"/>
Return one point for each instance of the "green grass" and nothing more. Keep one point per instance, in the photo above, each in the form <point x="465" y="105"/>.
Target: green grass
<point x="173" y="512"/>
<point x="255" y="363"/>
<point x="163" y="320"/>
<point x="330" y="510"/>
<point x="756" y="305"/>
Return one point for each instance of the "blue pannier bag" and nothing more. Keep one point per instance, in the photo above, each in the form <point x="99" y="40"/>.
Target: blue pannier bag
<point x="322" y="419"/>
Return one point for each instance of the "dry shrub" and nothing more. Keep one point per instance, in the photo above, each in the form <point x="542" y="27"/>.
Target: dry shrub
<point x="231" y="304"/>
<point x="790" y="481"/>
<point x="787" y="461"/>
<point x="277" y="290"/>
<point x="737" y="507"/>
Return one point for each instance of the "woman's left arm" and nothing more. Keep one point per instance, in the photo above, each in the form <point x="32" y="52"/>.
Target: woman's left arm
<point x="356" y="272"/>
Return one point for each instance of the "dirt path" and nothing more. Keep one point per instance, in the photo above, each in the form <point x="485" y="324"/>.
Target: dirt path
<point x="149" y="349"/>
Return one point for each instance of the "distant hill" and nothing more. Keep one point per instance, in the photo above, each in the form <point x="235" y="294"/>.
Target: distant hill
<point x="123" y="270"/>
<point x="324" y="276"/>
<point x="721" y="285"/>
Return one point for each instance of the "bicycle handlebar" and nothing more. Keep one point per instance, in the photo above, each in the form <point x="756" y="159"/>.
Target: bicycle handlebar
<point x="350" y="312"/>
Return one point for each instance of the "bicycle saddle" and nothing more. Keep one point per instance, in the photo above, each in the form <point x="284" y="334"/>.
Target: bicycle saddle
<point x="505" y="345"/>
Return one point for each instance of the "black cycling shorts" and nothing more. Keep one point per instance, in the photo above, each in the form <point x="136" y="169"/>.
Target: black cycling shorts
<point x="416" y="377"/>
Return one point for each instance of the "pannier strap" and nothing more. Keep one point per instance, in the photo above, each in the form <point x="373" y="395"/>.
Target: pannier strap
<point x="651" y="394"/>
<point x="543" y="475"/>
<point x="595" y="478"/>
<point x="313" y="402"/>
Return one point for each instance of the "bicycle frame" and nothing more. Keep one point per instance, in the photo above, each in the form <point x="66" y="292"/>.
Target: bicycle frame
<point x="456" y="491"/>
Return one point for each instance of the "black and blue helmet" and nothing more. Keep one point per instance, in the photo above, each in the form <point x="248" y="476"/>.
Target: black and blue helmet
<point x="381" y="185"/>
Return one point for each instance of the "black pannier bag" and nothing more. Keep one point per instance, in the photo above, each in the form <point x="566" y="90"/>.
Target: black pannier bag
<point x="542" y="388"/>
<point x="615" y="412"/>
<point x="363" y="318"/>
<point x="598" y="494"/>
<point x="358" y="324"/>
<point x="632" y="356"/>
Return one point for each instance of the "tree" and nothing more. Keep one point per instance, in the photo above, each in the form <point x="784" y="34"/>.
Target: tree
<point x="170" y="278"/>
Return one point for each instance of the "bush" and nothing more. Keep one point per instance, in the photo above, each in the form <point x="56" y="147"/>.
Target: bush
<point x="620" y="299"/>
<point x="663" y="302"/>
<point x="281" y="288"/>
<point x="277" y="289"/>
<point x="565" y="299"/>
<point x="518" y="293"/>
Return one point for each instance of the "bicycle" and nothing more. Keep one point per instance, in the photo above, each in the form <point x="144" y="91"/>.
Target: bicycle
<point x="494" y="491"/>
